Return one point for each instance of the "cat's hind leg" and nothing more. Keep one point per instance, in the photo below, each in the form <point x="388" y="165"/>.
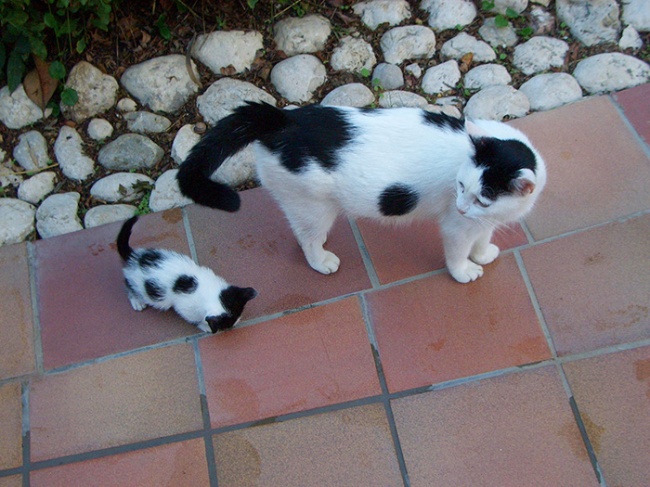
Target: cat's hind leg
<point x="137" y="303"/>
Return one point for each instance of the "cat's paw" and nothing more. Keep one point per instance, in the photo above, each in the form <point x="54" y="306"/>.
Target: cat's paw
<point x="325" y="263"/>
<point x="467" y="272"/>
<point x="136" y="304"/>
<point x="490" y="253"/>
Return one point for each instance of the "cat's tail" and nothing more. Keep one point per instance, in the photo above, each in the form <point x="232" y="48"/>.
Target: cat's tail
<point x="123" y="247"/>
<point x="248" y="123"/>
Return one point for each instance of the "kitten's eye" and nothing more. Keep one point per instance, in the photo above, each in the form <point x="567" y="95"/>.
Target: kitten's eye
<point x="481" y="204"/>
<point x="462" y="187"/>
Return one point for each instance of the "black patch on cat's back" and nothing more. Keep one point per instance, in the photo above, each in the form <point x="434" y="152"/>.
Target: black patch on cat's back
<point x="150" y="258"/>
<point x="444" y="121"/>
<point x="398" y="199"/>
<point x="317" y="132"/>
<point x="185" y="284"/>
<point x="502" y="160"/>
<point x="154" y="290"/>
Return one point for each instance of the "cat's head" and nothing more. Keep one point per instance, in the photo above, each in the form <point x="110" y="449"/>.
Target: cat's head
<point x="502" y="180"/>
<point x="233" y="300"/>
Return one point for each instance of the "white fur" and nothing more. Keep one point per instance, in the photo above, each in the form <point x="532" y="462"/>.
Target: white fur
<point x="396" y="146"/>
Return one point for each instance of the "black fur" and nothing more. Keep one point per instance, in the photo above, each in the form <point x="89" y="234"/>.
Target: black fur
<point x="233" y="299"/>
<point x="185" y="284"/>
<point x="397" y="199"/>
<point x="150" y="258"/>
<point x="443" y="121"/>
<point x="503" y="159"/>
<point x="154" y="290"/>
<point x="123" y="247"/>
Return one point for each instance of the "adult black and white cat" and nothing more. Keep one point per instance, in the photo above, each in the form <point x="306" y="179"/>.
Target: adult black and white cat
<point x="388" y="164"/>
<point x="166" y="279"/>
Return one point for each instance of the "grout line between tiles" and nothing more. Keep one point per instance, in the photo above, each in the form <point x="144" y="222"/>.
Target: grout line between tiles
<point x="585" y="437"/>
<point x="33" y="289"/>
<point x="645" y="147"/>
<point x="365" y="255"/>
<point x="527" y="232"/>
<point x="189" y="235"/>
<point x="26" y="437"/>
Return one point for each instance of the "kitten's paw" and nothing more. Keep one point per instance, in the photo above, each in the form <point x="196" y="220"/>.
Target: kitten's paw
<point x="491" y="252"/>
<point x="136" y="304"/>
<point x="325" y="263"/>
<point x="467" y="272"/>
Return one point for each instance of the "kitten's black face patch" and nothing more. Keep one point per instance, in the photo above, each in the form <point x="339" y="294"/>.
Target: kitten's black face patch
<point x="318" y="132"/>
<point x="443" y="121"/>
<point x="235" y="298"/>
<point x="221" y="322"/>
<point x="398" y="199"/>
<point x="150" y="258"/>
<point x="154" y="290"/>
<point x="502" y="160"/>
<point x="185" y="284"/>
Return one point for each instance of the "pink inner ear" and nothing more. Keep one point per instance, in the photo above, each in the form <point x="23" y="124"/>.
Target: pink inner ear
<point x="524" y="186"/>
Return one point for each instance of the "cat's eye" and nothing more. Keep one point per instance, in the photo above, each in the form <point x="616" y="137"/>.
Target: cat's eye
<point x="462" y="187"/>
<point x="481" y="204"/>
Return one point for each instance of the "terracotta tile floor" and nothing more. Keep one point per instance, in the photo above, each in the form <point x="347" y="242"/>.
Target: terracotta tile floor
<point x="385" y="373"/>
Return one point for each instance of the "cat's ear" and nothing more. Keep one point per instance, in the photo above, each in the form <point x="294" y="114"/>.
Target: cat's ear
<point x="524" y="184"/>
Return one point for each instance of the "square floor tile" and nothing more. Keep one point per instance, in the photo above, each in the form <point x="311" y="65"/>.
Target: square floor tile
<point x="402" y="251"/>
<point x="16" y="327"/>
<point x="255" y="247"/>
<point x="516" y="429"/>
<point x="349" y="447"/>
<point x="594" y="287"/>
<point x="597" y="170"/>
<point x="84" y="311"/>
<point x="613" y="395"/>
<point x="124" y="400"/>
<point x="176" y="464"/>
<point x="309" y="359"/>
<point x="636" y="108"/>
<point x="11" y="431"/>
<point x="435" y="329"/>
<point x="11" y="481"/>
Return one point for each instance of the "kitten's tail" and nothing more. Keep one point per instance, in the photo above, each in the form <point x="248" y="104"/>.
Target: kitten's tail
<point x="123" y="247"/>
<point x="248" y="123"/>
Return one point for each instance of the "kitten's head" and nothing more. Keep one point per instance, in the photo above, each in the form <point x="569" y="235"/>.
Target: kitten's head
<point x="233" y="300"/>
<point x="502" y="181"/>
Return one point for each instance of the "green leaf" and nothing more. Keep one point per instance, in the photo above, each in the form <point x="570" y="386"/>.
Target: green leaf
<point x="512" y="14"/>
<point x="500" y="21"/>
<point x="163" y="28"/>
<point x="15" y="70"/>
<point x="17" y="18"/>
<point x="50" y="21"/>
<point x="38" y="47"/>
<point x="365" y="72"/>
<point x="487" y="5"/>
<point x="69" y="97"/>
<point x="252" y="3"/>
<point x="526" y="32"/>
<point x="57" y="70"/>
<point x="81" y="45"/>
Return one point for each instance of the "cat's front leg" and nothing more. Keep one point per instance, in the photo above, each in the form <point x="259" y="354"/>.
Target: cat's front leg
<point x="483" y="252"/>
<point x="459" y="235"/>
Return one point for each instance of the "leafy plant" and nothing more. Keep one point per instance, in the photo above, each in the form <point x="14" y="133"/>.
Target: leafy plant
<point x="163" y="29"/>
<point x="365" y="72"/>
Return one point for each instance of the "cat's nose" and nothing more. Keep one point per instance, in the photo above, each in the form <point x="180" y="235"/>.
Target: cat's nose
<point x="462" y="211"/>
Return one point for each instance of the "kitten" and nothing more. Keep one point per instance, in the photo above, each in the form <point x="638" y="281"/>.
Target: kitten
<point x="166" y="279"/>
<point x="388" y="164"/>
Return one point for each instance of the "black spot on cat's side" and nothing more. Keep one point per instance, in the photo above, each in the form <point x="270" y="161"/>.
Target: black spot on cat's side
<point x="129" y="286"/>
<point x="398" y="199"/>
<point x="317" y="133"/>
<point x="150" y="258"/>
<point x="443" y="121"/>
<point x="154" y="290"/>
<point x="185" y="284"/>
<point x="502" y="160"/>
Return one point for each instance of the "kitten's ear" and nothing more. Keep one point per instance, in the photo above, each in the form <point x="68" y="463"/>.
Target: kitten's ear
<point x="524" y="184"/>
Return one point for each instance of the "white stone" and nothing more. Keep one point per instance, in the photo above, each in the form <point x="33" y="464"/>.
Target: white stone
<point x="68" y="150"/>
<point x="498" y="36"/>
<point x="163" y="83"/>
<point x="551" y="90"/>
<point x="397" y="98"/>
<point x="486" y="75"/>
<point x="222" y="48"/>
<point x="502" y="6"/>
<point x="350" y="95"/>
<point x="450" y="110"/>
<point x="226" y="94"/>
<point x="541" y="21"/>
<point x="611" y="72"/>
<point x="298" y="77"/>
<point x="126" y="105"/>
<point x="463" y="44"/>
<point x="166" y="193"/>
<point x="120" y="187"/>
<point x="544" y="3"/>
<point x="387" y="76"/>
<point x="637" y="14"/>
<point x="17" y="110"/>
<point x="408" y="42"/>
<point x="103" y="214"/>
<point x="146" y="122"/>
<point x="414" y="69"/>
<point x="303" y="35"/>
<point x="8" y="176"/>
<point x="540" y="54"/>
<point x="376" y="12"/>
<point x="99" y="129"/>
<point x="16" y="220"/>
<point x="630" y="39"/>
<point x="185" y="139"/>
<point x="440" y="78"/>
<point x="497" y="102"/>
<point x="31" y="151"/>
<point x="37" y="187"/>
<point x="591" y="22"/>
<point x="130" y="152"/>
<point x="448" y="14"/>
<point x="97" y="92"/>
<point x="238" y="169"/>
<point x="353" y="55"/>
<point x="57" y="215"/>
